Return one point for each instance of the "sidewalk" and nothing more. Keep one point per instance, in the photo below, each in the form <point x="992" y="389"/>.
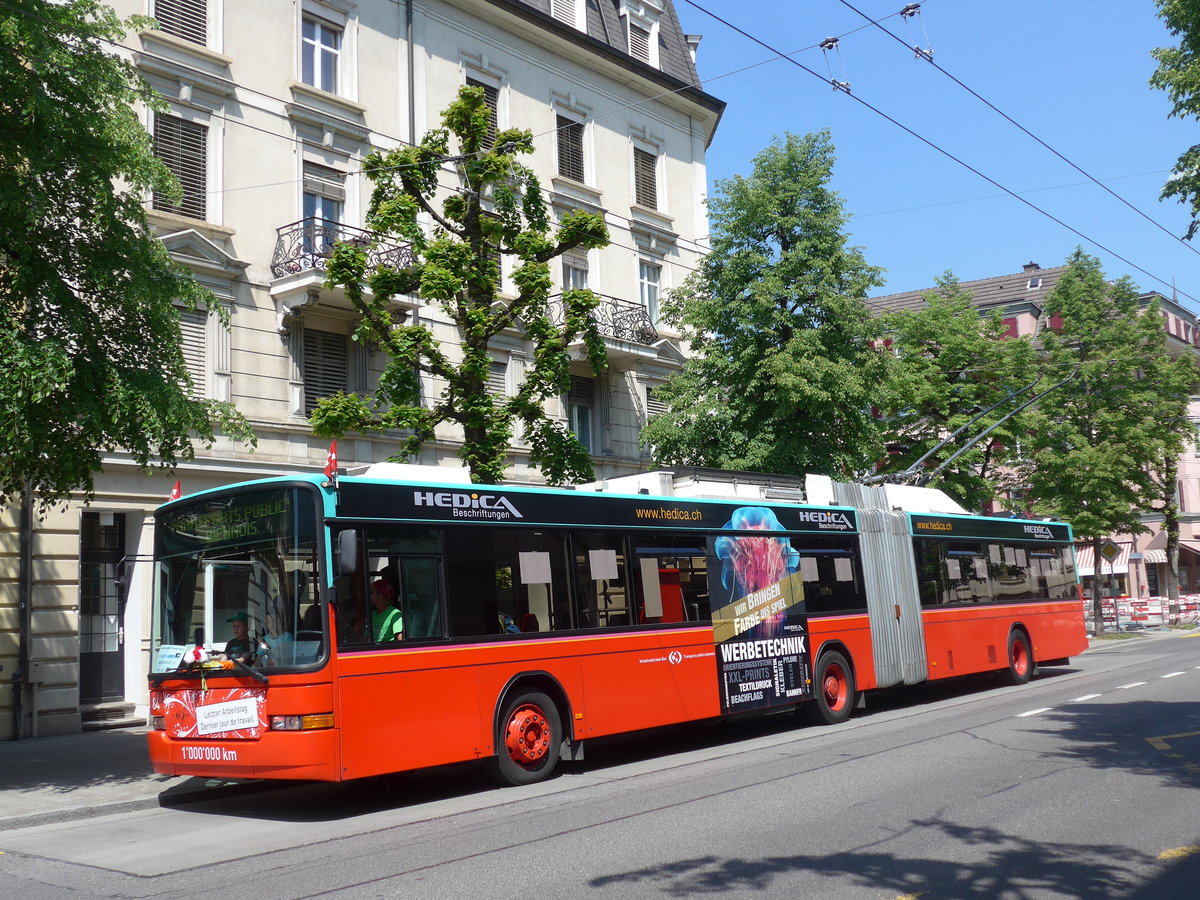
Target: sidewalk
<point x="94" y="773"/>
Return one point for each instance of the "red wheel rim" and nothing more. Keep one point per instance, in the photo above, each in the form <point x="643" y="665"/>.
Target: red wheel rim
<point x="835" y="687"/>
<point x="527" y="736"/>
<point x="1020" y="659"/>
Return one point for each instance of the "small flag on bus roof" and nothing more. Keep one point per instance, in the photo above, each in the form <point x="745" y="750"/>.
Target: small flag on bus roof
<point x="331" y="464"/>
<point x="176" y="493"/>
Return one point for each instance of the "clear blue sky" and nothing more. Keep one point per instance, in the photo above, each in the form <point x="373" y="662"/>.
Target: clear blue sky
<point x="1072" y="72"/>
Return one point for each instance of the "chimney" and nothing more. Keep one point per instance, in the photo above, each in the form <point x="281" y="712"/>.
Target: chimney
<point x="693" y="41"/>
<point x="1031" y="267"/>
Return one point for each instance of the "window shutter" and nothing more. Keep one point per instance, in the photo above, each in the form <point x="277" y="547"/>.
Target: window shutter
<point x="187" y="19"/>
<point x="582" y="392"/>
<point x="570" y="148"/>
<point x="563" y="10"/>
<point x="193" y="326"/>
<point x="645" y="182"/>
<point x="497" y="383"/>
<point x="183" y="148"/>
<point x="654" y="406"/>
<point x="324" y="182"/>
<point x="326" y="366"/>
<point x="491" y="96"/>
<point x="639" y="42"/>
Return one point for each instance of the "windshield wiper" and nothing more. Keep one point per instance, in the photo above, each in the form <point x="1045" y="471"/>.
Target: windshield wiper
<point x="247" y="670"/>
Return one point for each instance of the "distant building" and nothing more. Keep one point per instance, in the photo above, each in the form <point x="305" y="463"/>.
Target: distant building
<point x="272" y="106"/>
<point x="1019" y="298"/>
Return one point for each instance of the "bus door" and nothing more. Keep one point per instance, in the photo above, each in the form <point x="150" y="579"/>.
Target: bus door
<point x="893" y="601"/>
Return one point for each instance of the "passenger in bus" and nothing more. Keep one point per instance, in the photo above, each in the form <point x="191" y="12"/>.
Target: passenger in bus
<point x="240" y="647"/>
<point x="387" y="623"/>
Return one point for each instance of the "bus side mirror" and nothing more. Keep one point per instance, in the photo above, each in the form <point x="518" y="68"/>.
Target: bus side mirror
<point x="347" y="551"/>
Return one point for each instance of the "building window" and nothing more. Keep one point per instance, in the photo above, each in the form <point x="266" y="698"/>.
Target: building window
<point x="649" y="279"/>
<point x="183" y="148"/>
<point x="324" y="192"/>
<point x="639" y="42"/>
<point x="187" y="19"/>
<point x="193" y="326"/>
<point x="574" y="271"/>
<point x="320" y="50"/>
<point x="326" y="366"/>
<point x="645" y="178"/>
<point x="580" y="400"/>
<point x="497" y="382"/>
<point x="570" y="148"/>
<point x="491" y="96"/>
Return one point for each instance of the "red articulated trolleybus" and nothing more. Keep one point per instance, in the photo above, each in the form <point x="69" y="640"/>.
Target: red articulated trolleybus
<point x="309" y="630"/>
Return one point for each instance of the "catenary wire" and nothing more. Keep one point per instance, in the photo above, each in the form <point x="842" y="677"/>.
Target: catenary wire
<point x="934" y="146"/>
<point x="929" y="59"/>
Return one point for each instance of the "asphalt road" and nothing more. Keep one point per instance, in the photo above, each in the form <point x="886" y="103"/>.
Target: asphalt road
<point x="1082" y="784"/>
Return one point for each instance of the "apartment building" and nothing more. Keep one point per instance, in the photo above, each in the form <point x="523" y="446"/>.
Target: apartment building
<point x="271" y="108"/>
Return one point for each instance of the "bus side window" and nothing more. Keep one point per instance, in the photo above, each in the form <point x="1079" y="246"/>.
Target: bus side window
<point x="672" y="574"/>
<point x="600" y="579"/>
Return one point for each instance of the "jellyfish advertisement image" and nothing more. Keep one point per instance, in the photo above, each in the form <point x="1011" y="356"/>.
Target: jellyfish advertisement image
<point x="759" y="619"/>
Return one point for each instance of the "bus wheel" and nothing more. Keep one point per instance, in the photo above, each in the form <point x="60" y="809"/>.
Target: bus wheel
<point x="1020" y="659"/>
<point x="835" y="693"/>
<point x="528" y="740"/>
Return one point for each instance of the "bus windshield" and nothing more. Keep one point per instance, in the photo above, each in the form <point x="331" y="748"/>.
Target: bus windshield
<point x="238" y="580"/>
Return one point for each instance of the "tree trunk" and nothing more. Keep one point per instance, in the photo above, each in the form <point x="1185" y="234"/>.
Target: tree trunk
<point x="1097" y="592"/>
<point x="1171" y="527"/>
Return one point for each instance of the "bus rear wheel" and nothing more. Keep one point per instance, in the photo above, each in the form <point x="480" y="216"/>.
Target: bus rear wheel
<point x="1020" y="659"/>
<point x="528" y="740"/>
<point x="835" y="691"/>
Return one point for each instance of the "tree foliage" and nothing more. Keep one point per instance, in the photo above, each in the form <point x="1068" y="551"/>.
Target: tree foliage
<point x="89" y="327"/>
<point x="951" y="366"/>
<point x="783" y="374"/>
<point x="497" y="210"/>
<point x="1178" y="74"/>
<point x="1096" y="440"/>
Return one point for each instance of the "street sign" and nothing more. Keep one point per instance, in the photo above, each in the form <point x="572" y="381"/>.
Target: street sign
<point x="1110" y="549"/>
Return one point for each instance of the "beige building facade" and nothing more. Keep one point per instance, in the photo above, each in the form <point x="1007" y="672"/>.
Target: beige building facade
<point x="272" y="107"/>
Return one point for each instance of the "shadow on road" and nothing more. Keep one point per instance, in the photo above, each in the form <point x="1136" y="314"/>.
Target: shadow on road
<point x="1012" y="867"/>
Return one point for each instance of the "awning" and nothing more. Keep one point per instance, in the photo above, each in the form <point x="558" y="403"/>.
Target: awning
<point x="1085" y="561"/>
<point x="1154" y="557"/>
<point x="1190" y="546"/>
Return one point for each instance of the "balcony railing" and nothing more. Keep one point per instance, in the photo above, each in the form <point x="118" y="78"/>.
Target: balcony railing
<point x="619" y="319"/>
<point x="306" y="245"/>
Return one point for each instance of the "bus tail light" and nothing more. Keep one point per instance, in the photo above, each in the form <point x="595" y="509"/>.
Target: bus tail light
<point x="301" y="723"/>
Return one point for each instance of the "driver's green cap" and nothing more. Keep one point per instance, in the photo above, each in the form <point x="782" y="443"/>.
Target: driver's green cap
<point x="238" y="617"/>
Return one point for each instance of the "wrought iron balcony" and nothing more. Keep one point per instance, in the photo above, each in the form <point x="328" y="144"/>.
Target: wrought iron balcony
<point x="622" y="320"/>
<point x="306" y="246"/>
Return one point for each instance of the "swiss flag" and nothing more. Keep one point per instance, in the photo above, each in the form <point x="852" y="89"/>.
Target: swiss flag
<point x="331" y="464"/>
<point x="176" y="493"/>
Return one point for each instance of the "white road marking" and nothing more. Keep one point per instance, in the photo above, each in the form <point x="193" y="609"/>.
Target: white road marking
<point x="1085" y="697"/>
<point x="1126" y="687"/>
<point x="1173" y="674"/>
<point x="1034" y="712"/>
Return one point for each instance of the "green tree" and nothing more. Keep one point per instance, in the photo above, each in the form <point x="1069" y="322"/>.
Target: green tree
<point x="1178" y="74"/>
<point x="496" y="211"/>
<point x="89" y="327"/>
<point x="783" y="374"/>
<point x="1095" y="441"/>
<point x="952" y="365"/>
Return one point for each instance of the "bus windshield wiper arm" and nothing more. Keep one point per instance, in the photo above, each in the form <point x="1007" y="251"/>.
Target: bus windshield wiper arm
<point x="247" y="670"/>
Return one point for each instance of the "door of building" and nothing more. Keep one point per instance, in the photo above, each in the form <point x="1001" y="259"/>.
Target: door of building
<point x="101" y="608"/>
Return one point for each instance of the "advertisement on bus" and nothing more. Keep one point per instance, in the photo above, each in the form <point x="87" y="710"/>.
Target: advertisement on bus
<point x="760" y="625"/>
